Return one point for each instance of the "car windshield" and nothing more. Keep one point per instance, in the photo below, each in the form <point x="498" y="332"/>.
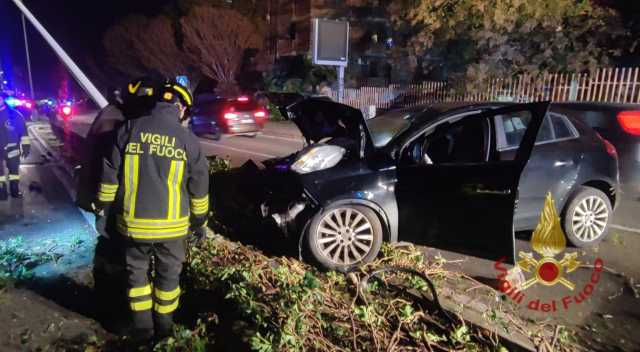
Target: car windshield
<point x="385" y="127"/>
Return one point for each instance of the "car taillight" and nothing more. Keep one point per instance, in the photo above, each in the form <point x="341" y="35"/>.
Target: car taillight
<point x="66" y="110"/>
<point x="630" y="122"/>
<point x="243" y="99"/>
<point x="260" y="114"/>
<point x="230" y="115"/>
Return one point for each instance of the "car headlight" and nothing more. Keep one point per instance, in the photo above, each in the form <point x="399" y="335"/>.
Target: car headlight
<point x="318" y="158"/>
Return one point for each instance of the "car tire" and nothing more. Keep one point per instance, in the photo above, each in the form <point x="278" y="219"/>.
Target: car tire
<point x="351" y="230"/>
<point x="587" y="217"/>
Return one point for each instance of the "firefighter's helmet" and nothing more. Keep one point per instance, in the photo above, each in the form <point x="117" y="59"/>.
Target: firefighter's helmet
<point x="175" y="92"/>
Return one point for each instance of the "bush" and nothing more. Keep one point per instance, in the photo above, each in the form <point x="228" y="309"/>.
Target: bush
<point x="274" y="113"/>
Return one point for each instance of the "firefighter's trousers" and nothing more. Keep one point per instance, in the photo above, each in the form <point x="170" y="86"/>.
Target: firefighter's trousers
<point x="153" y="302"/>
<point x="10" y="155"/>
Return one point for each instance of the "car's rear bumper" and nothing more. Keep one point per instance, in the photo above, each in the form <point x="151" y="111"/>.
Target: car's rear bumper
<point x="243" y="128"/>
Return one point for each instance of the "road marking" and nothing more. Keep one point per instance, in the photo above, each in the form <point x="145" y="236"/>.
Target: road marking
<point x="625" y="228"/>
<point x="299" y="140"/>
<point x="238" y="149"/>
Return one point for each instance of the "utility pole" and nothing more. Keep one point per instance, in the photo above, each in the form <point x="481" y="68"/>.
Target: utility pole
<point x="80" y="77"/>
<point x="26" y="48"/>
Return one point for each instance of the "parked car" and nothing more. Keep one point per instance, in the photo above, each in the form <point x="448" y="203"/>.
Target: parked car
<point x="619" y="124"/>
<point x="446" y="175"/>
<point x="214" y="115"/>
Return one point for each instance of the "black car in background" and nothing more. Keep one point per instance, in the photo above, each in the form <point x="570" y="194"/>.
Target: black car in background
<point x="214" y="115"/>
<point x="620" y="125"/>
<point x="446" y="175"/>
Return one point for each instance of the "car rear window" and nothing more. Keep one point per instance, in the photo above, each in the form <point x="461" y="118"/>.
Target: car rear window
<point x="515" y="127"/>
<point x="560" y="127"/>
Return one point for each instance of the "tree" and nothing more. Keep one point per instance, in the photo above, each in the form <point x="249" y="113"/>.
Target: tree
<point x="477" y="39"/>
<point x="120" y="48"/>
<point x="141" y="46"/>
<point x="215" y="39"/>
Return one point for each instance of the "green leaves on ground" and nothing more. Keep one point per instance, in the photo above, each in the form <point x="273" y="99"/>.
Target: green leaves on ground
<point x="293" y="307"/>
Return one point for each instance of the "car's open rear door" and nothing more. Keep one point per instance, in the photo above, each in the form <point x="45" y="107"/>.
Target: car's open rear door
<point x="462" y="203"/>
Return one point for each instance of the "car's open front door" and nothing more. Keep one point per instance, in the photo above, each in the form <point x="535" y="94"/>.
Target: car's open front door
<point x="460" y="196"/>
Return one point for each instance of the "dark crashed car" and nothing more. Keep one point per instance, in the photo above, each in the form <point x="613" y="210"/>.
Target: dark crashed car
<point x="447" y="176"/>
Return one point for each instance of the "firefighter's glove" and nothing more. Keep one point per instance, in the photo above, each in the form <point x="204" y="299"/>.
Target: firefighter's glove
<point x="198" y="221"/>
<point x="199" y="235"/>
<point x="25" y="150"/>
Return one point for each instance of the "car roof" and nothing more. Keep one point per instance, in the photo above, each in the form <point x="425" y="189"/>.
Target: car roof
<point x="426" y="113"/>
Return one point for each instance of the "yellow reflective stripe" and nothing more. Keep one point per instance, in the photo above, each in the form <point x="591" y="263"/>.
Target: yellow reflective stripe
<point x="131" y="184"/>
<point x="152" y="232"/>
<point x="200" y="206"/>
<point x="184" y="94"/>
<point x="171" y="204"/>
<point x="13" y="154"/>
<point x="140" y="291"/>
<point x="181" y="229"/>
<point x="3" y="178"/>
<point x="178" y="186"/>
<point x="155" y="222"/>
<point x="174" y="184"/>
<point x="107" y="192"/>
<point x="142" y="305"/>
<point x="25" y="140"/>
<point x="14" y="177"/>
<point x="167" y="295"/>
<point x="162" y="309"/>
<point x="152" y="226"/>
<point x="157" y="237"/>
<point x="202" y="200"/>
<point x="103" y="198"/>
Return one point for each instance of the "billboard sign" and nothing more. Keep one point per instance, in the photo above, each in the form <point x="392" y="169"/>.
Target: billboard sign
<point x="330" y="42"/>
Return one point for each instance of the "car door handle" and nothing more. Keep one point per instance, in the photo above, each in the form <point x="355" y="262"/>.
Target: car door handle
<point x="563" y="163"/>
<point x="503" y="192"/>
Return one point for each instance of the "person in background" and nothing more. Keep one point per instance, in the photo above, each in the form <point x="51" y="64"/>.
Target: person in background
<point x="14" y="144"/>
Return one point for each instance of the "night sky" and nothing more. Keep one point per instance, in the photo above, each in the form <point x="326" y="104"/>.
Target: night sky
<point x="78" y="25"/>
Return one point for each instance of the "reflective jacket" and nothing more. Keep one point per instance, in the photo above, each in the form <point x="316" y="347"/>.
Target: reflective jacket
<point x="158" y="177"/>
<point x="13" y="130"/>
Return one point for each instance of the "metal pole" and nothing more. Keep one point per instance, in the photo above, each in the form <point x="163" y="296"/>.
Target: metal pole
<point x="80" y="77"/>
<point x="26" y="48"/>
<point x="341" y="84"/>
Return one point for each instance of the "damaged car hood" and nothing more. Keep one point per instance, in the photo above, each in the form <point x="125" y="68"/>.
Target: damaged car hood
<point x="321" y="118"/>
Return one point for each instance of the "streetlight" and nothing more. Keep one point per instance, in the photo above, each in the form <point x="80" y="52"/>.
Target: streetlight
<point x="26" y="48"/>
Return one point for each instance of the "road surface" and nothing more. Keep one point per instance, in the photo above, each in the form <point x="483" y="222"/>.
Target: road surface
<point x="237" y="149"/>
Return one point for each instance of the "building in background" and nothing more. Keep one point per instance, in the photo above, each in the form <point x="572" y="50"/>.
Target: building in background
<point x="374" y="43"/>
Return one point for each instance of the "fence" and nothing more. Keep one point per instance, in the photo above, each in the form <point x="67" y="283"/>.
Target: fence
<point x="612" y="85"/>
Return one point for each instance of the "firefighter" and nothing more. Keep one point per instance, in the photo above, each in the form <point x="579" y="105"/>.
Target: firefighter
<point x="157" y="179"/>
<point x="137" y="99"/>
<point x="14" y="143"/>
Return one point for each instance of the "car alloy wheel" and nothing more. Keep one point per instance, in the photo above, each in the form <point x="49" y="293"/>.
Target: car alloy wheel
<point x="590" y="218"/>
<point x="344" y="236"/>
<point x="586" y="216"/>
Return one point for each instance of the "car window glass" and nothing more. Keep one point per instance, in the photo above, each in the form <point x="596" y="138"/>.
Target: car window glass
<point x="515" y="125"/>
<point x="461" y="142"/>
<point x="560" y="127"/>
